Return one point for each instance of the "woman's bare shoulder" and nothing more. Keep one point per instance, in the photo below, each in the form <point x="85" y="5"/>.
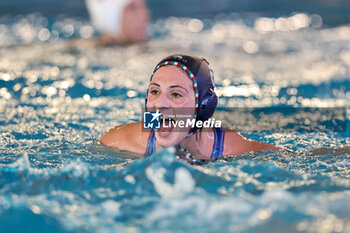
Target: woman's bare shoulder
<point x="236" y="143"/>
<point x="131" y="137"/>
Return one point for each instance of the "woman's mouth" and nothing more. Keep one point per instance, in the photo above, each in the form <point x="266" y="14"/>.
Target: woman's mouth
<point x="166" y="127"/>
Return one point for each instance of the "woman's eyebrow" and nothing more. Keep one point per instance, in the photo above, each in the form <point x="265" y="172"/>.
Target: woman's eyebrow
<point x="173" y="86"/>
<point x="156" y="84"/>
<point x="177" y="86"/>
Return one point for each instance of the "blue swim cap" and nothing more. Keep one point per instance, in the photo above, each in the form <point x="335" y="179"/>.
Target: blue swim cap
<point x="202" y="76"/>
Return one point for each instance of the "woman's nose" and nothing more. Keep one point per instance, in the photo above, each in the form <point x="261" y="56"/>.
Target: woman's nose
<point x="162" y="101"/>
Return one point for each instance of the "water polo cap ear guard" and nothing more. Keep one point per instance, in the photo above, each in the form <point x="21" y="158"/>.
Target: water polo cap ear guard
<point x="202" y="77"/>
<point x="208" y="99"/>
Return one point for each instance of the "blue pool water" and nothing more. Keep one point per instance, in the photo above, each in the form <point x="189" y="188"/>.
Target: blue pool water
<point x="55" y="102"/>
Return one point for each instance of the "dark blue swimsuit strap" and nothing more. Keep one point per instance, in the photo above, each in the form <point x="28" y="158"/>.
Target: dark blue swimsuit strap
<point x="151" y="145"/>
<point x="218" y="147"/>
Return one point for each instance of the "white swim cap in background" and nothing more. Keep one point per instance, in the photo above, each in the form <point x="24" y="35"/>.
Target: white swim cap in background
<point x="106" y="15"/>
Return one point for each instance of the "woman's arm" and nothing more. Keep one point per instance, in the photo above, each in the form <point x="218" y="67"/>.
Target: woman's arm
<point x="236" y="144"/>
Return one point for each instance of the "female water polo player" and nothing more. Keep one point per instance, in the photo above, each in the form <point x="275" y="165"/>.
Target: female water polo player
<point x="119" y="21"/>
<point x="182" y="85"/>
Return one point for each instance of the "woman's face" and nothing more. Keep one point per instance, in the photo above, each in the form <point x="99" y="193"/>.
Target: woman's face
<point x="171" y="91"/>
<point x="135" y="20"/>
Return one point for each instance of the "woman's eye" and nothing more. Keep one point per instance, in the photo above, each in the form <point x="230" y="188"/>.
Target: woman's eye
<point x="154" y="92"/>
<point x="176" y="95"/>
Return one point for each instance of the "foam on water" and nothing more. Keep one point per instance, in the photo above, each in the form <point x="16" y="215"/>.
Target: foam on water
<point x="55" y="102"/>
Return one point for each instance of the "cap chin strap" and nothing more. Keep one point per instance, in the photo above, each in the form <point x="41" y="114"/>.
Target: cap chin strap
<point x="190" y="158"/>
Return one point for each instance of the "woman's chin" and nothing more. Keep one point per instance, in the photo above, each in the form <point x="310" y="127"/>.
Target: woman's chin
<point x="167" y="139"/>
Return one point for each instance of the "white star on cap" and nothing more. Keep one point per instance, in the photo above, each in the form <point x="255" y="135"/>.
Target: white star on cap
<point x="156" y="115"/>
